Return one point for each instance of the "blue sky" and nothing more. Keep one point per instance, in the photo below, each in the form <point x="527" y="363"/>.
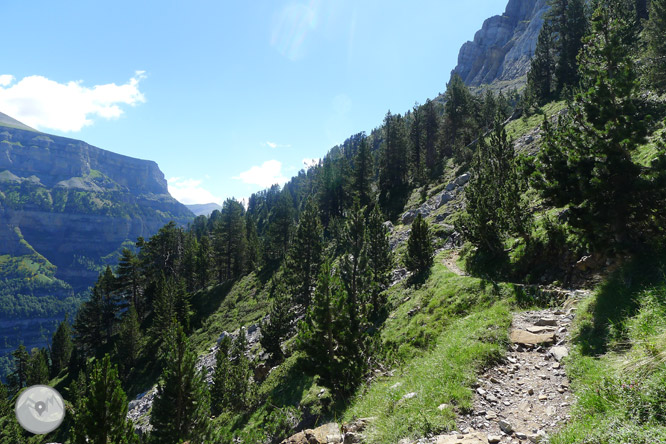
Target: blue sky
<point x="226" y="96"/>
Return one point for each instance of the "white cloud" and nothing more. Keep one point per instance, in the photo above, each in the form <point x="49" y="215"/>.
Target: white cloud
<point x="190" y="191"/>
<point x="310" y="162"/>
<point x="6" y="79"/>
<point x="265" y="175"/>
<point x="43" y="103"/>
<point x="276" y="145"/>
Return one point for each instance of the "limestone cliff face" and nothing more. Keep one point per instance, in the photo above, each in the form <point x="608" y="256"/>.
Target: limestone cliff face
<point x="76" y="204"/>
<point x="503" y="47"/>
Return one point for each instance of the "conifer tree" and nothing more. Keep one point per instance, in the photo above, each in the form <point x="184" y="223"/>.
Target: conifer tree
<point x="586" y="162"/>
<point x="5" y="405"/>
<point x="416" y="145"/>
<point x="181" y="406"/>
<point x="130" y="278"/>
<point x="100" y="414"/>
<point x="61" y="348"/>
<point x="304" y="258"/>
<point x="38" y="367"/>
<point x="221" y="392"/>
<point x="129" y="342"/>
<point x="280" y="223"/>
<point x="460" y="126"/>
<point x="655" y="40"/>
<point x="431" y="133"/>
<point x="333" y="350"/>
<point x="420" y="253"/>
<point x="21" y="361"/>
<point x="239" y="377"/>
<point x="363" y="173"/>
<point x="279" y="323"/>
<point x="493" y="195"/>
<point x="540" y="76"/>
<point x="354" y="267"/>
<point x="380" y="258"/>
<point x="253" y="245"/>
<point x="203" y="262"/>
<point x="89" y="325"/>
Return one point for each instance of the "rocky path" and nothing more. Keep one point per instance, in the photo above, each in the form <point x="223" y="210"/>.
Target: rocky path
<point x="525" y="398"/>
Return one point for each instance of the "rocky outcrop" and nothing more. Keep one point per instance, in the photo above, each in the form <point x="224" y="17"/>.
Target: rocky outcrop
<point x="66" y="210"/>
<point x="503" y="47"/>
<point x="76" y="204"/>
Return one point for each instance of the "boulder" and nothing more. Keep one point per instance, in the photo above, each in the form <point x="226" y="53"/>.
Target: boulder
<point x="559" y="353"/>
<point x="443" y="199"/>
<point x="526" y="338"/>
<point x="462" y="179"/>
<point x="326" y="434"/>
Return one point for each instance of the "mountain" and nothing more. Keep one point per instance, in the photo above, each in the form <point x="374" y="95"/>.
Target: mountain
<point x="203" y="209"/>
<point x="66" y="210"/>
<point x="502" y="49"/>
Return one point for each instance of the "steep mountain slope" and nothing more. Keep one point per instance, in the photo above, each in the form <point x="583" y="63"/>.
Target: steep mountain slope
<point x="66" y="209"/>
<point x="503" y="47"/>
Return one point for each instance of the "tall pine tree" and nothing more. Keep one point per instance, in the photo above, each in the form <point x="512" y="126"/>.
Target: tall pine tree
<point x="181" y="406"/>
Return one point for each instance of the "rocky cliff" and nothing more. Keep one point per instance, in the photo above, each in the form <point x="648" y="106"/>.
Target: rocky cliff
<point x="503" y="47"/>
<point x="76" y="204"/>
<point x="66" y="210"/>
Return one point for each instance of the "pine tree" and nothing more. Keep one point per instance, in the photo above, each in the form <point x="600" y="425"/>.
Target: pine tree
<point x="61" y="348"/>
<point x="38" y="367"/>
<point x="354" y="267"/>
<point x="239" y="377"/>
<point x="203" y="262"/>
<point x="101" y="413"/>
<point x="380" y="258"/>
<point x="181" y="406"/>
<point x="333" y="351"/>
<point x="586" y="162"/>
<point x="304" y="258"/>
<point x="655" y="40"/>
<point x="21" y="361"/>
<point x="420" y="253"/>
<point x="279" y="323"/>
<point x="5" y="405"/>
<point x="540" y="76"/>
<point x="460" y="126"/>
<point x="221" y="392"/>
<point x="363" y="173"/>
<point x="171" y="305"/>
<point x="129" y="342"/>
<point x="280" y="224"/>
<point x="567" y="22"/>
<point x="493" y="207"/>
<point x="431" y="134"/>
<point x="416" y="145"/>
<point x="89" y="325"/>
<point x="130" y="279"/>
<point x="253" y="245"/>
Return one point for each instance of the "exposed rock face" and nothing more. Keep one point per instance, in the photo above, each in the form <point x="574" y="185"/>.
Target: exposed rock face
<point x="66" y="208"/>
<point x="75" y="203"/>
<point x="503" y="47"/>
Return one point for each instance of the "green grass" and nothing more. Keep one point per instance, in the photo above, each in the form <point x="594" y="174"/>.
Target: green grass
<point x="618" y="364"/>
<point x="443" y="375"/>
<point x="437" y="338"/>
<point x="522" y="126"/>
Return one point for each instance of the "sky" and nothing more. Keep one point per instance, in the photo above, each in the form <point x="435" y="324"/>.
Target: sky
<point x="228" y="97"/>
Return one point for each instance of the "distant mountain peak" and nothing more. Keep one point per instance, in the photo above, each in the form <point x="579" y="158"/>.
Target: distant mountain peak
<point x="203" y="209"/>
<point x="502" y="49"/>
<point x="11" y="122"/>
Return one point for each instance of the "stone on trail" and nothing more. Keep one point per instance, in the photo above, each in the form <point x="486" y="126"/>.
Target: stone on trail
<point x="526" y="338"/>
<point x="472" y="438"/>
<point x="559" y="353"/>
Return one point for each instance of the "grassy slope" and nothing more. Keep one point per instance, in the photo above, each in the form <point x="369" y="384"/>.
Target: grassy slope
<point x="436" y="338"/>
<point x="618" y="363"/>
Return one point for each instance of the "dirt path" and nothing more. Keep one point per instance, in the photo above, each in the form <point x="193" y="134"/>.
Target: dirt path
<point x="525" y="398"/>
<point x="451" y="263"/>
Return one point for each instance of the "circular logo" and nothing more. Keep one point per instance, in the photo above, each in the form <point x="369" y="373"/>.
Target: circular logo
<point x="40" y="409"/>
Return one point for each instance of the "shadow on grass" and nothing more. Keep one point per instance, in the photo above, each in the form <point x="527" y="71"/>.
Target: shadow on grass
<point x="206" y="302"/>
<point x="617" y="300"/>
